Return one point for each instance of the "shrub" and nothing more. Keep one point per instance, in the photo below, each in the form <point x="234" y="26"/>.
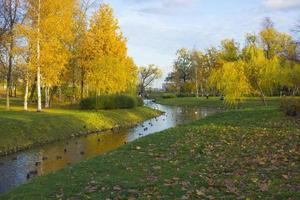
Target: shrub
<point x="111" y="102"/>
<point x="186" y="95"/>
<point x="88" y="103"/>
<point x="168" y="96"/>
<point x="291" y="106"/>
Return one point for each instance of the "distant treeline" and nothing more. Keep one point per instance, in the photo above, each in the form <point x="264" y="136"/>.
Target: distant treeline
<point x="268" y="64"/>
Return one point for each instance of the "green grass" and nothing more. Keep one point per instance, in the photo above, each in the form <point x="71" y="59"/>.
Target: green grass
<point x="216" y="102"/>
<point x="245" y="154"/>
<point x="20" y="129"/>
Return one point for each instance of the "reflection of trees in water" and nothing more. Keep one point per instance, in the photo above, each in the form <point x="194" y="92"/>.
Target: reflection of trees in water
<point x="79" y="149"/>
<point x="188" y="114"/>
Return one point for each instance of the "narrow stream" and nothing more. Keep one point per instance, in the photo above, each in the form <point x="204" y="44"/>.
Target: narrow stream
<point x="19" y="168"/>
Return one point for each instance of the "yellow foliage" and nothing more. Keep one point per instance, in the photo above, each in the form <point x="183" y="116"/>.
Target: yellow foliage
<point x="261" y="72"/>
<point x="54" y="31"/>
<point x="232" y="81"/>
<point x="107" y="66"/>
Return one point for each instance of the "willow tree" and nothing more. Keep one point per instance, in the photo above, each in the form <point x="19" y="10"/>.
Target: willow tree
<point x="232" y="81"/>
<point x="261" y="72"/>
<point x="108" y="68"/>
<point x="48" y="31"/>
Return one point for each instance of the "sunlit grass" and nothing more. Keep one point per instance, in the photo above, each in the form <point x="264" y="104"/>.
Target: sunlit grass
<point x="21" y="129"/>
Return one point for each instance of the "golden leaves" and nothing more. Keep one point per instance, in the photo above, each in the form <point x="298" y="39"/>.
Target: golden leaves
<point x="104" y="52"/>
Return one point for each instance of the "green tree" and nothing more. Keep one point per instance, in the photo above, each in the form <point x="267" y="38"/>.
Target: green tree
<point x="182" y="70"/>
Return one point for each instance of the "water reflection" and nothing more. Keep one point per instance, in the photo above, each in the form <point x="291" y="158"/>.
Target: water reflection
<point x="21" y="167"/>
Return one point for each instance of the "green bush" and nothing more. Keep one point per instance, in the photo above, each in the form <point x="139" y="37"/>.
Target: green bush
<point x="88" y="103"/>
<point x="186" y="95"/>
<point x="291" y="106"/>
<point x="168" y="96"/>
<point x="111" y="102"/>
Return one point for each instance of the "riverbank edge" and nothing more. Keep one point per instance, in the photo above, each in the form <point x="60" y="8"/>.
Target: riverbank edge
<point x="116" y="129"/>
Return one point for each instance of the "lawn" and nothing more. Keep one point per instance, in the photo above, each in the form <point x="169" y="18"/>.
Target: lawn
<point x="249" y="102"/>
<point x="245" y="154"/>
<point x="20" y="129"/>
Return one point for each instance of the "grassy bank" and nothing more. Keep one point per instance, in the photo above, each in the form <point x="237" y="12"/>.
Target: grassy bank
<point x="246" y="154"/>
<point x="216" y="102"/>
<point x="20" y="129"/>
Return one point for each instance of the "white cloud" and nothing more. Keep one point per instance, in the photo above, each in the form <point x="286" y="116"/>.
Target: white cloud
<point x="281" y="4"/>
<point x="164" y="7"/>
<point x="179" y="2"/>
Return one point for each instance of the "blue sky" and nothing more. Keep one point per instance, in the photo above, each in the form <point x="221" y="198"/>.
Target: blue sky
<point x="156" y="29"/>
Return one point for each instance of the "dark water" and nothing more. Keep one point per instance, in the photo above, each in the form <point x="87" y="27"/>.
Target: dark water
<point x="19" y="168"/>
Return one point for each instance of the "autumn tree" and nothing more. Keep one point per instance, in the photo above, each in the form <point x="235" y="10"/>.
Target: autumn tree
<point x="108" y="68"/>
<point x="74" y="74"/>
<point x="232" y="81"/>
<point x="49" y="29"/>
<point x="261" y="72"/>
<point x="230" y="51"/>
<point x="147" y="75"/>
<point x="281" y="46"/>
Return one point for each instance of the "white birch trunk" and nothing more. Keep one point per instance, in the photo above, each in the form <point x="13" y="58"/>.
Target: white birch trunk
<point x="38" y="82"/>
<point x="26" y="96"/>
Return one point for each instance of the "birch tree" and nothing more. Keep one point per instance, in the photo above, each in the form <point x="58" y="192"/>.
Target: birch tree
<point x="48" y="31"/>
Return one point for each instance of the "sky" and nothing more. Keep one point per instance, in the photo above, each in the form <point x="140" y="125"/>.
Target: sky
<point x="156" y="29"/>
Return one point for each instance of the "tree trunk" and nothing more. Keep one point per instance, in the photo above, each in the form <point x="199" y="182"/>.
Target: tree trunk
<point x="38" y="87"/>
<point x="47" y="104"/>
<point x="15" y="91"/>
<point x="9" y="74"/>
<point x="59" y="95"/>
<point x="82" y="84"/>
<point x="271" y="92"/>
<point x="7" y="99"/>
<point x="74" y="93"/>
<point x="33" y="87"/>
<point x="38" y="74"/>
<point x="197" y="87"/>
<point x="263" y="97"/>
<point x="26" y="95"/>
<point x="262" y="94"/>
<point x="295" y="91"/>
